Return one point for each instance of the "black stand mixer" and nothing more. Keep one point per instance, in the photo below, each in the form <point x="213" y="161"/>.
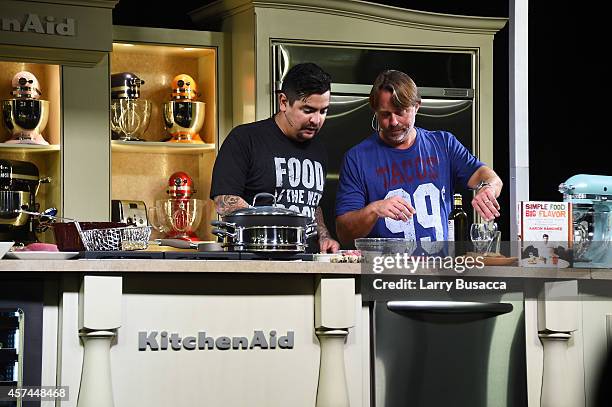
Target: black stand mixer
<point x="19" y="182"/>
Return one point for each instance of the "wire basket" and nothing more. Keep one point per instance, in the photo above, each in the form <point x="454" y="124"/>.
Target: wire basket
<point x="114" y="239"/>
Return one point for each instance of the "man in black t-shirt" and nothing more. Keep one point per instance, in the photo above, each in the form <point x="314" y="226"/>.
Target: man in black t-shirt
<point x="280" y="155"/>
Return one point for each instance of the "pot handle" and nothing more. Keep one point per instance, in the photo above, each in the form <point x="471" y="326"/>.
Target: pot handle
<point x="311" y="230"/>
<point x="223" y="233"/>
<point x="266" y="194"/>
<point x="222" y="224"/>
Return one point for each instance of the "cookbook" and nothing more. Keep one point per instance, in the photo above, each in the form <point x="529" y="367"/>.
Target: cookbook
<point x="545" y="233"/>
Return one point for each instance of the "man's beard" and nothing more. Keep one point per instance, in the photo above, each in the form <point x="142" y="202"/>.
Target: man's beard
<point x="396" y="136"/>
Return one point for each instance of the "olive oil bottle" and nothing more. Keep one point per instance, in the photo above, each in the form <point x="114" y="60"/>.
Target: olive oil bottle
<point x="458" y="227"/>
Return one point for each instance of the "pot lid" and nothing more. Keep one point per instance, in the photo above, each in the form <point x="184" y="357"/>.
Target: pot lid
<point x="268" y="210"/>
<point x="265" y="211"/>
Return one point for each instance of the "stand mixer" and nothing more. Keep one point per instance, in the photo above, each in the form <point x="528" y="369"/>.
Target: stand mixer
<point x="130" y="114"/>
<point x="183" y="115"/>
<point x="26" y="115"/>
<point x="19" y="183"/>
<point x="591" y="198"/>
<point x="180" y="215"/>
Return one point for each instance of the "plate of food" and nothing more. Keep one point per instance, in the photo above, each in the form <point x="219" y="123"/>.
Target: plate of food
<point x="534" y="261"/>
<point x="342" y="256"/>
<point x="38" y="251"/>
<point x="30" y="255"/>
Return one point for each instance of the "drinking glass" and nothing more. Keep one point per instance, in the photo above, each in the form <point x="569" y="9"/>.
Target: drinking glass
<point x="482" y="235"/>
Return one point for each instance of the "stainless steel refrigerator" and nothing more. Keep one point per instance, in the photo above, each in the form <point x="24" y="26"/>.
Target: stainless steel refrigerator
<point x="445" y="81"/>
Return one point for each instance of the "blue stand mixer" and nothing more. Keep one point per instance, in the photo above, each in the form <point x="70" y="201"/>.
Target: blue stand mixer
<point x="591" y="198"/>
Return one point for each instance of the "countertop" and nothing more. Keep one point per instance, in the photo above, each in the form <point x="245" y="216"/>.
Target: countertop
<point x="277" y="267"/>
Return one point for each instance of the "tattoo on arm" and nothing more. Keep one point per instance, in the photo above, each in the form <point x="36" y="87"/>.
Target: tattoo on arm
<point x="321" y="228"/>
<point x="228" y="203"/>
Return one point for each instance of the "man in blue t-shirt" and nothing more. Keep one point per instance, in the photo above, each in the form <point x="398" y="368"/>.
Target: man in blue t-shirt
<point x="399" y="182"/>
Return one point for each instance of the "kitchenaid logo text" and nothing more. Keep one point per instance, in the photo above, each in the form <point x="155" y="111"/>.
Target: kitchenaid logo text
<point x="163" y="340"/>
<point x="43" y="25"/>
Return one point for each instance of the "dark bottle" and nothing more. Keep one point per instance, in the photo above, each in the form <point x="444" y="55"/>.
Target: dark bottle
<point x="458" y="227"/>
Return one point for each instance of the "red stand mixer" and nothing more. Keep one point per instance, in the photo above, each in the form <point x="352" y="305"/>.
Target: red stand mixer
<point x="178" y="216"/>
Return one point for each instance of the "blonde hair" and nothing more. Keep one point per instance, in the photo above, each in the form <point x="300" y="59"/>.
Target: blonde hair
<point x="403" y="89"/>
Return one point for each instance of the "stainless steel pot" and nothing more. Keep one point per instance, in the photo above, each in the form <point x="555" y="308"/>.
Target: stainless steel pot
<point x="265" y="228"/>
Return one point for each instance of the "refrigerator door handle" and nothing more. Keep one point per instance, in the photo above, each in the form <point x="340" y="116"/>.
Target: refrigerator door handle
<point x="449" y="307"/>
<point x="280" y="66"/>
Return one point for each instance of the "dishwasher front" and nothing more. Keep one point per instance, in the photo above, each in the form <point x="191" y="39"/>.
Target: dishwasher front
<point x="449" y="353"/>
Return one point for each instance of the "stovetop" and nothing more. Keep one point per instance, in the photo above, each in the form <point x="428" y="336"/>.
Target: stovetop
<point x="121" y="255"/>
<point x="195" y="255"/>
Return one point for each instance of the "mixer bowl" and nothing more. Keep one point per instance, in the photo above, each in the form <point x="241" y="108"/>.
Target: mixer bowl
<point x="177" y="218"/>
<point x="379" y="246"/>
<point x="25" y="119"/>
<point x="592" y="233"/>
<point x="184" y="120"/>
<point x="130" y="118"/>
<point x="10" y="202"/>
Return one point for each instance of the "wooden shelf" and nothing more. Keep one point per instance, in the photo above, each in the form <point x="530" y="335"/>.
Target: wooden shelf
<point x="159" y="147"/>
<point x="28" y="148"/>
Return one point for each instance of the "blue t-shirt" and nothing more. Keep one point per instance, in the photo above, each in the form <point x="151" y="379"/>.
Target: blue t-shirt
<point x="425" y="175"/>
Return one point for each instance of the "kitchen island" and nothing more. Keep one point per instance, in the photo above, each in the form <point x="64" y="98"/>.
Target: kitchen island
<point x="250" y="332"/>
<point x="276" y="267"/>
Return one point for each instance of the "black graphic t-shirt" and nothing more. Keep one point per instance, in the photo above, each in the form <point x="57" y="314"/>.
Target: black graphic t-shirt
<point x="258" y="157"/>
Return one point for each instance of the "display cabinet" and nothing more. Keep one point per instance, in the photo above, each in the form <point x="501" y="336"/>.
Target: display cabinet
<point x="140" y="170"/>
<point x="47" y="158"/>
<point x="69" y="60"/>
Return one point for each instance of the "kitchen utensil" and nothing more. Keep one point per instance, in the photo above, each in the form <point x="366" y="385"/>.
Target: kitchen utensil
<point x="67" y="236"/>
<point x="19" y="183"/>
<point x="132" y="213"/>
<point x="383" y="245"/>
<point x="130" y="118"/>
<point x="184" y="116"/>
<point x="265" y="228"/>
<point x="591" y="201"/>
<point x="372" y="247"/>
<point x="130" y="114"/>
<point x="177" y="218"/>
<point x="185" y="244"/>
<point x="481" y="235"/>
<point x="111" y="239"/>
<point x="495" y="242"/>
<point x="108" y="239"/>
<point x="26" y="115"/>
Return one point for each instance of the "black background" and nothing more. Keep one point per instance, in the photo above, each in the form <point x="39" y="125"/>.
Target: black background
<point x="567" y="84"/>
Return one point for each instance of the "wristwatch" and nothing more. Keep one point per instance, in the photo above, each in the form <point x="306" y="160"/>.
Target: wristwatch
<point x="481" y="185"/>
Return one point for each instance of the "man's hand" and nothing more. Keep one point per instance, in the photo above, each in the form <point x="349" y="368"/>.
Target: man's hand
<point x="485" y="203"/>
<point x="394" y="207"/>
<point x="328" y="245"/>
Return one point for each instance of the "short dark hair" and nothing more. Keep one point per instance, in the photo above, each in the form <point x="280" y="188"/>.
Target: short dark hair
<point x="304" y="80"/>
